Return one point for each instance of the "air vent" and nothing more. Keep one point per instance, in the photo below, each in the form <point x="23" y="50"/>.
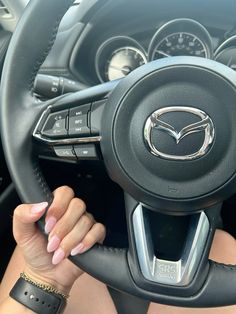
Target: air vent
<point x="4" y="11"/>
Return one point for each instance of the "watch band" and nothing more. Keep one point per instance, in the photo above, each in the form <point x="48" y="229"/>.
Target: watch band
<point x="37" y="299"/>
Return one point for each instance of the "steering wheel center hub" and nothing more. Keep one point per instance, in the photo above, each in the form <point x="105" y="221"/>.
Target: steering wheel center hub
<point x="164" y="138"/>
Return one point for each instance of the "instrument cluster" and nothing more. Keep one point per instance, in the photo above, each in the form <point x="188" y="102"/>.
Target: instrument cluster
<point x="120" y="55"/>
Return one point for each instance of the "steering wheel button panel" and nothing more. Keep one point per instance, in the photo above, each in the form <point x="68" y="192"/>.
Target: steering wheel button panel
<point x="55" y="125"/>
<point x="78" y="121"/>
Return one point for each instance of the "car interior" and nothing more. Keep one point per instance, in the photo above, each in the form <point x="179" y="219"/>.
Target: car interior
<point x="107" y="65"/>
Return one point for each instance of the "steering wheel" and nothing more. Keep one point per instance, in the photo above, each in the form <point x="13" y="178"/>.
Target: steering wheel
<point x="167" y="134"/>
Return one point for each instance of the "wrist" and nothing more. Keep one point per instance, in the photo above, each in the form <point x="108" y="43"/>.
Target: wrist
<point x="39" y="278"/>
<point x="37" y="297"/>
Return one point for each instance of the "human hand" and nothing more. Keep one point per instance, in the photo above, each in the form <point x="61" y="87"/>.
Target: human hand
<point x="71" y="231"/>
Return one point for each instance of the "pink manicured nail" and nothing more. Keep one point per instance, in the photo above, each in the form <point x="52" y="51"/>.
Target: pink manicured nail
<point x="38" y="208"/>
<point x="50" y="224"/>
<point x="80" y="248"/>
<point x="53" y="244"/>
<point x="58" y="256"/>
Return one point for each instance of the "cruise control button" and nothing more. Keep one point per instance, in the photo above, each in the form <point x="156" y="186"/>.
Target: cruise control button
<point x="86" y="152"/>
<point x="65" y="152"/>
<point x="55" y="125"/>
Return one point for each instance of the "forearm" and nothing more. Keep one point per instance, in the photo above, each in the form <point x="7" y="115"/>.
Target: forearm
<point x="10" y="306"/>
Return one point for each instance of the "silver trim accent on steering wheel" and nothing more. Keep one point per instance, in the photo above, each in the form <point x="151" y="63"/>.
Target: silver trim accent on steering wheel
<point x="177" y="273"/>
<point x="68" y="141"/>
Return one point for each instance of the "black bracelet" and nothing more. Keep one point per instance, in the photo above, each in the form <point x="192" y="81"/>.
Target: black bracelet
<point x="37" y="299"/>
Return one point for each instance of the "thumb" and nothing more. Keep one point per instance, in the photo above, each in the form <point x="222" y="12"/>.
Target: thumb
<point x="24" y="219"/>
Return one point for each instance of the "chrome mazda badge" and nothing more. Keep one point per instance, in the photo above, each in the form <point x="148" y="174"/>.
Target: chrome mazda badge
<point x="204" y="124"/>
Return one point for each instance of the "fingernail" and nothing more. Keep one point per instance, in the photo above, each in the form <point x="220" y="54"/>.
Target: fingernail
<point x="80" y="248"/>
<point x="50" y="224"/>
<point x="53" y="244"/>
<point x="38" y="208"/>
<point x="58" y="256"/>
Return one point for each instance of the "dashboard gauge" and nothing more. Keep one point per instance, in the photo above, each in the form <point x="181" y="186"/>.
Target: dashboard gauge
<point x="179" y="44"/>
<point x="180" y="37"/>
<point x="226" y="52"/>
<point x="229" y="42"/>
<point x="228" y="57"/>
<point x="123" y="61"/>
<point x="117" y="57"/>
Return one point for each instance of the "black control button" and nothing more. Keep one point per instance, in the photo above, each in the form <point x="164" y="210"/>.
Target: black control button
<point x="80" y="111"/>
<point x="86" y="152"/>
<point x="55" y="125"/>
<point x="65" y="152"/>
<point x="78" y="121"/>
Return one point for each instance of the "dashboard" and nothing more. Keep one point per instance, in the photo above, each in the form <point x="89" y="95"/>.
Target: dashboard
<point x="118" y="56"/>
<point x="118" y="41"/>
<point x="104" y="40"/>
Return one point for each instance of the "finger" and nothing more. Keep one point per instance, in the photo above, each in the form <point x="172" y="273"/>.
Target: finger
<point x="65" y="225"/>
<point x="96" y="234"/>
<point x="73" y="238"/>
<point x="61" y="201"/>
<point x="24" y="219"/>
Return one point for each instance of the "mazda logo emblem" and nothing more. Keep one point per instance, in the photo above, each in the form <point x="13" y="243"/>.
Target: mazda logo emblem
<point x="204" y="125"/>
